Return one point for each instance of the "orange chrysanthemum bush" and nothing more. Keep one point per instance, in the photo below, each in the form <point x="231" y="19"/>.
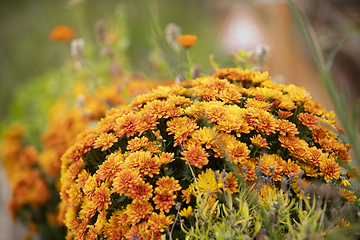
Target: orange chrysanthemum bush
<point x="34" y="172"/>
<point x="131" y="175"/>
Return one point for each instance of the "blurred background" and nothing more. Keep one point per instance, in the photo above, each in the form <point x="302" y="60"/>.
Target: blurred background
<point x="29" y="60"/>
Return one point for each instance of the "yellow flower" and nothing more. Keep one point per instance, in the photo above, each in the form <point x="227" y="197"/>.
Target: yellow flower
<point x="187" y="40"/>
<point x="207" y="183"/>
<point x="186" y="212"/>
<point x="344" y="223"/>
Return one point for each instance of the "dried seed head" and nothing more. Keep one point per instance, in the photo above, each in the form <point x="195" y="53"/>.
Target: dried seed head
<point x="172" y="31"/>
<point x="272" y="217"/>
<point x="100" y="30"/>
<point x="223" y="175"/>
<point x="244" y="170"/>
<point x="268" y="179"/>
<point x="284" y="183"/>
<point x="116" y="70"/>
<point x="77" y="47"/>
<point x="197" y="71"/>
<point x="178" y="206"/>
<point x="80" y="100"/>
<point x="216" y="176"/>
<point x="262" y="52"/>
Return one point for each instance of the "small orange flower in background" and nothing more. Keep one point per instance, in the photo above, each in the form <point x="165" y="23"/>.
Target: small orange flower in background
<point x="187" y="40"/>
<point x="347" y="195"/>
<point x="62" y="34"/>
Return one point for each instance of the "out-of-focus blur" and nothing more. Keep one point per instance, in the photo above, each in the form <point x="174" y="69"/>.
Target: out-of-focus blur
<point x="222" y="28"/>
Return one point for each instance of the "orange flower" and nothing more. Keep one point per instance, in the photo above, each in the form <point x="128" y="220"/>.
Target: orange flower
<point x="259" y="141"/>
<point x="141" y="192"/>
<point x="308" y="120"/>
<point x="125" y="180"/>
<point x="187" y="40"/>
<point x="330" y="169"/>
<point x="165" y="196"/>
<point x="237" y="151"/>
<point x="159" y="221"/>
<point x="310" y="170"/>
<point x="351" y="175"/>
<point x="101" y="199"/>
<point x="62" y="33"/>
<point x="317" y="156"/>
<point x="157" y="108"/>
<point x="284" y="114"/>
<point x="231" y="183"/>
<point x="290" y="167"/>
<point x="247" y="170"/>
<point x="137" y="211"/>
<point x="187" y="193"/>
<point x="251" y="102"/>
<point x="109" y="168"/>
<point x="143" y="162"/>
<point x="182" y="127"/>
<point x="261" y="120"/>
<point x="286" y="128"/>
<point x="105" y="140"/>
<point x="137" y="143"/>
<point x="205" y="136"/>
<point x="165" y="158"/>
<point x="272" y="165"/>
<point x="127" y="124"/>
<point x="196" y="156"/>
<point x="347" y="195"/>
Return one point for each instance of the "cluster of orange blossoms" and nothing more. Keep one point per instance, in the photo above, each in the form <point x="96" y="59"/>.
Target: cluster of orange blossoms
<point x="123" y="178"/>
<point x="20" y="164"/>
<point x="34" y="174"/>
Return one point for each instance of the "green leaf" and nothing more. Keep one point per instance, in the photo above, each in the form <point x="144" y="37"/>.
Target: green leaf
<point x="356" y="112"/>
<point x="334" y="51"/>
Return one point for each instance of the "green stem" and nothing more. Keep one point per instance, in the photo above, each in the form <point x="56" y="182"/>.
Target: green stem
<point x="188" y="63"/>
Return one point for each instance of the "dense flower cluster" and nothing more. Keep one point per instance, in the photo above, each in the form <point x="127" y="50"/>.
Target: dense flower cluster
<point x="123" y="178"/>
<point x="19" y="161"/>
<point x="34" y="174"/>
